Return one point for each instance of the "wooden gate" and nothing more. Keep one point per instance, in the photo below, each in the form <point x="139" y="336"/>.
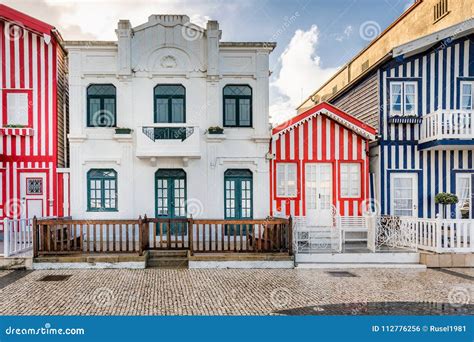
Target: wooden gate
<point x="166" y="233"/>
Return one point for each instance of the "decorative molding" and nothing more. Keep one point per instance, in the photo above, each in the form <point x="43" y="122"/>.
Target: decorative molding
<point x="168" y="62"/>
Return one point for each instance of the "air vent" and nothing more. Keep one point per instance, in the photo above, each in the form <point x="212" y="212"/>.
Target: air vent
<point x="440" y="10"/>
<point x="365" y="66"/>
<point x="55" y="277"/>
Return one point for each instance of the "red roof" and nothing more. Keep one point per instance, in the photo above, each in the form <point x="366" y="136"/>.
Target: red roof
<point x="329" y="108"/>
<point x="25" y="20"/>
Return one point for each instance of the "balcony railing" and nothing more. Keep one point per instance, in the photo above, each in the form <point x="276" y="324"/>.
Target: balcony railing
<point x="168" y="140"/>
<point x="446" y="125"/>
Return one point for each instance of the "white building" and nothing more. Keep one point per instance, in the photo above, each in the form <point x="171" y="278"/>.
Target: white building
<point x="169" y="81"/>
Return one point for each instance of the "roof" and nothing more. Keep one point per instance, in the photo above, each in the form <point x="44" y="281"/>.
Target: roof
<point x="424" y="43"/>
<point x="25" y="20"/>
<point x="90" y="43"/>
<point x="333" y="113"/>
<point x="267" y="45"/>
<point x="414" y="22"/>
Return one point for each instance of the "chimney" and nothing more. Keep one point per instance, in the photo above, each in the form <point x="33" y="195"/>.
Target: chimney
<point x="213" y="37"/>
<point x="124" y="42"/>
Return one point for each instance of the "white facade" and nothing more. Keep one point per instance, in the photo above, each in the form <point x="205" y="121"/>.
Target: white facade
<point x="168" y="50"/>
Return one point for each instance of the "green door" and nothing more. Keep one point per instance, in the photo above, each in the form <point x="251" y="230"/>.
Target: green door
<point x="238" y="198"/>
<point x="171" y="198"/>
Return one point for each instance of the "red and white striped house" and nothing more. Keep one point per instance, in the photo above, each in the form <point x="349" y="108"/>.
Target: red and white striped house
<point x="33" y="120"/>
<point x="320" y="162"/>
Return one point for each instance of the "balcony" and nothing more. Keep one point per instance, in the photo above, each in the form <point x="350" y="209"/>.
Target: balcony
<point x="168" y="140"/>
<point x="447" y="128"/>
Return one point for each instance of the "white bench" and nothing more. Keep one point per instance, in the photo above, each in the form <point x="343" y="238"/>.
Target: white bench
<point x="353" y="224"/>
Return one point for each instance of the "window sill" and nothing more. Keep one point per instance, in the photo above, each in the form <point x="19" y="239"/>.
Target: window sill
<point x="24" y="131"/>
<point x="102" y="211"/>
<point x="215" y="137"/>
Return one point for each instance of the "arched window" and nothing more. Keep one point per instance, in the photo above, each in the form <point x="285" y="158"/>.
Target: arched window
<point x="102" y="190"/>
<point x="170" y="103"/>
<point x="237" y="106"/>
<point x="101" y="105"/>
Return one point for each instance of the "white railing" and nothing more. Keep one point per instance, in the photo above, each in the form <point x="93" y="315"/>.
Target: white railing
<point x="443" y="235"/>
<point x="17" y="237"/>
<point x="447" y="124"/>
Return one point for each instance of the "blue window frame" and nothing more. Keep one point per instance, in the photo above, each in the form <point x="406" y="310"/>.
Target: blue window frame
<point x="101" y="105"/>
<point x="102" y="190"/>
<point x="238" y="198"/>
<point x="170" y="103"/>
<point x="237" y="101"/>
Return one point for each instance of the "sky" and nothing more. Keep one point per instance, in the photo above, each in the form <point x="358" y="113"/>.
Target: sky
<point x="314" y="37"/>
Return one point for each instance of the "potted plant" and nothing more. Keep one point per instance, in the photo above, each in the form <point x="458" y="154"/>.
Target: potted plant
<point x="445" y="199"/>
<point x="123" y="130"/>
<point x="215" y="130"/>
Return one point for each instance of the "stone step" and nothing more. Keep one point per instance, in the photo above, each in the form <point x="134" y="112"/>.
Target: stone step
<point x="167" y="253"/>
<point x="167" y="263"/>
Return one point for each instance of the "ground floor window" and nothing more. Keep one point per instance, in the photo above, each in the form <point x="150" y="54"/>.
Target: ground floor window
<point x="238" y="198"/>
<point x="170" y="193"/>
<point x="464" y="187"/>
<point x="350" y="180"/>
<point x="286" y="179"/>
<point x="102" y="190"/>
<point x="238" y="194"/>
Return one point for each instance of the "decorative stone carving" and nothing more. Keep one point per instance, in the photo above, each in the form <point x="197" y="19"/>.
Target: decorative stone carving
<point x="168" y="62"/>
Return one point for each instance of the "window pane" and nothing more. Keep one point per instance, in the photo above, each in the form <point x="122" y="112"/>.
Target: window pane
<point x="244" y="117"/>
<point x="108" y="114"/>
<point x="162" y="110"/>
<point x="466" y="96"/>
<point x="17" y="108"/>
<point x="396" y="97"/>
<point x="230" y="112"/>
<point x="177" y="107"/>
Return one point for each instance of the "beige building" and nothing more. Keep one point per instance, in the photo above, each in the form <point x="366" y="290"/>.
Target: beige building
<point x="421" y="19"/>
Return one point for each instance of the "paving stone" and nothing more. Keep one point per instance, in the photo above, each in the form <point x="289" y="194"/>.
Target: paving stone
<point x="223" y="292"/>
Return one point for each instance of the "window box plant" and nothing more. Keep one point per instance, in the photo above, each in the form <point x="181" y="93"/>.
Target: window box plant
<point x="122" y="130"/>
<point x="215" y="130"/>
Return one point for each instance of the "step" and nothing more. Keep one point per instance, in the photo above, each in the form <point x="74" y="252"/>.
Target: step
<point x="168" y="263"/>
<point x="167" y="253"/>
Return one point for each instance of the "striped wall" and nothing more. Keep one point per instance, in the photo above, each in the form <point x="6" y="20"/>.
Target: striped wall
<point x="28" y="65"/>
<point x="319" y="139"/>
<point x="437" y="73"/>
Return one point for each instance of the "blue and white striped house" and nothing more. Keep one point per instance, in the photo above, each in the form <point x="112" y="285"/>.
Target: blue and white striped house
<point x="426" y="126"/>
<point x="420" y="96"/>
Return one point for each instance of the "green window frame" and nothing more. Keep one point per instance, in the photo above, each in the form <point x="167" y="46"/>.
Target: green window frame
<point x="102" y="190"/>
<point x="237" y="102"/>
<point x="238" y="194"/>
<point x="169" y="103"/>
<point x="101" y="105"/>
<point x="170" y="187"/>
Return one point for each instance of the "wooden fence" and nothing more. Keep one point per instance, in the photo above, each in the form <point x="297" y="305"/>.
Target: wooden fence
<point x="66" y="236"/>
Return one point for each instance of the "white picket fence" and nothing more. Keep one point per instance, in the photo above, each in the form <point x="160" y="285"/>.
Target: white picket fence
<point x="17" y="236"/>
<point x="443" y="235"/>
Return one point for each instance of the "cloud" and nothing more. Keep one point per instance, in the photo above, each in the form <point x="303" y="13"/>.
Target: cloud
<point x="346" y="34"/>
<point x="88" y="19"/>
<point x="300" y="74"/>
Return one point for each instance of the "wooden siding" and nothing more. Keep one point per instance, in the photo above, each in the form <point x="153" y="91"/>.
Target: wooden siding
<point x="320" y="139"/>
<point x="438" y="73"/>
<point x="30" y="65"/>
<point x="362" y="101"/>
<point x="62" y="108"/>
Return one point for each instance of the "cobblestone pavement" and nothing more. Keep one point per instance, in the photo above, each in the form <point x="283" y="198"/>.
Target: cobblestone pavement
<point x="235" y="292"/>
